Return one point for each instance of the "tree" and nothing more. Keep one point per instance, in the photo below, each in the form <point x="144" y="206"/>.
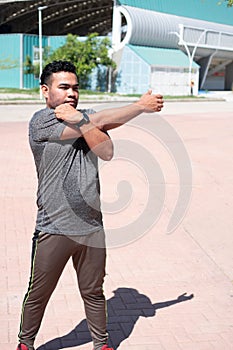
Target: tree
<point x="229" y="3"/>
<point x="34" y="68"/>
<point x="28" y="65"/>
<point x="85" y="54"/>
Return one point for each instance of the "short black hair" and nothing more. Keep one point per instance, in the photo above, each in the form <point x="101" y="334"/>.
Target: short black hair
<point x="55" y="67"/>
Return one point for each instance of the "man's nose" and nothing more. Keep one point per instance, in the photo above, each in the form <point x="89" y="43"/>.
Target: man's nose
<point x="71" y="92"/>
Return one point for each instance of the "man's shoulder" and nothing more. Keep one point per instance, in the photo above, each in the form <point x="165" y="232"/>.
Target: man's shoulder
<point x="42" y="113"/>
<point x="39" y="117"/>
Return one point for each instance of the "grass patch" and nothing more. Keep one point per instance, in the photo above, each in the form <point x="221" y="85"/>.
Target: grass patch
<point x="35" y="94"/>
<point x="19" y="91"/>
<point x="182" y="97"/>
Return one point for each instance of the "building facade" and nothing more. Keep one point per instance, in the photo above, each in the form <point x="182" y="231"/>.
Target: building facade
<point x="184" y="54"/>
<point x="174" y="47"/>
<point x="15" y="48"/>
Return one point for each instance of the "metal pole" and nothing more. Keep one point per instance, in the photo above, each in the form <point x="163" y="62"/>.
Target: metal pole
<point x="190" y="63"/>
<point x="40" y="9"/>
<point x="109" y="79"/>
<point x="190" y="56"/>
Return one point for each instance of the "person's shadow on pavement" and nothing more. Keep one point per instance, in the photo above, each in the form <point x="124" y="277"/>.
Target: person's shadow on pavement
<point x="124" y="309"/>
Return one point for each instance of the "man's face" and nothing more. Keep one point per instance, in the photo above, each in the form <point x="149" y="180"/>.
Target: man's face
<point x="62" y="88"/>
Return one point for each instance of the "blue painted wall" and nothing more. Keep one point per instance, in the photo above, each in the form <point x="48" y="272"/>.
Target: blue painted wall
<point x="14" y="50"/>
<point x="54" y="42"/>
<point x="10" y="54"/>
<point x="31" y="43"/>
<point x="134" y="73"/>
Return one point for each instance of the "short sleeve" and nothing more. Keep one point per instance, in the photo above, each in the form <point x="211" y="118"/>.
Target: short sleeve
<point x="44" y="126"/>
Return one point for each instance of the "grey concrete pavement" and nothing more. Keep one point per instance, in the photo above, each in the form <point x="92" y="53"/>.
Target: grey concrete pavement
<point x="146" y="275"/>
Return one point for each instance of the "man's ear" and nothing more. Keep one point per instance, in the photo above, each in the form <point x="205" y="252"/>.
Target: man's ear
<point x="45" y="90"/>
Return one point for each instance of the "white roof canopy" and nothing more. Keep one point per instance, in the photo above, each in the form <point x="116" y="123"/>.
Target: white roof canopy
<point x="156" y="29"/>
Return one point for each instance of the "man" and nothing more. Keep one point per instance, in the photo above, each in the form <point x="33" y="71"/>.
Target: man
<point x="66" y="144"/>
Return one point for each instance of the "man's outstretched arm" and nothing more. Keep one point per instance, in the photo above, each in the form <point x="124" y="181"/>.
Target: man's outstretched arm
<point x="109" y="118"/>
<point x="112" y="118"/>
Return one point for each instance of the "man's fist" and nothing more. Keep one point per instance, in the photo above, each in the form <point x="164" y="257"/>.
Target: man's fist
<point x="68" y="113"/>
<point x="151" y="103"/>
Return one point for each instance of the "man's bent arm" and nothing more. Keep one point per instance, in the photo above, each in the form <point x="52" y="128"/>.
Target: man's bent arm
<point x="98" y="141"/>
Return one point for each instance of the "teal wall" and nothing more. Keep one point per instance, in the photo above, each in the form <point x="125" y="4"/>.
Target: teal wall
<point x="54" y="42"/>
<point x="207" y="10"/>
<point x="133" y="73"/>
<point x="10" y="53"/>
<point x="30" y="42"/>
<point x="14" y="50"/>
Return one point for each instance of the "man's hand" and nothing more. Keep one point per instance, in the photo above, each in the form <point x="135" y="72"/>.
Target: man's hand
<point x="68" y="113"/>
<point x="98" y="141"/>
<point x="151" y="103"/>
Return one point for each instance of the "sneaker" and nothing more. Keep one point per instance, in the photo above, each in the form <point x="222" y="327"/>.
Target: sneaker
<point x="105" y="347"/>
<point x="22" y="347"/>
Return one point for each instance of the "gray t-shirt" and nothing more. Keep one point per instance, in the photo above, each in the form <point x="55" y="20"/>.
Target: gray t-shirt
<point x="68" y="196"/>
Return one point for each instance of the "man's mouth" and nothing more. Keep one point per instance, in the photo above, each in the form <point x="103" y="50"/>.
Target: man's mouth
<point x="72" y="102"/>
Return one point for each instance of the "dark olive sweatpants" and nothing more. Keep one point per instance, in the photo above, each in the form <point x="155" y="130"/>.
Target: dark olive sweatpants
<point x="50" y="254"/>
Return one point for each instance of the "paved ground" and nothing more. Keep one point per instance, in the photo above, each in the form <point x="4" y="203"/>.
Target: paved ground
<point x="147" y="278"/>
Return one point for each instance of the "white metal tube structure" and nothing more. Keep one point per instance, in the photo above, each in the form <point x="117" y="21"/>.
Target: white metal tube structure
<point x="40" y="9"/>
<point x="190" y="56"/>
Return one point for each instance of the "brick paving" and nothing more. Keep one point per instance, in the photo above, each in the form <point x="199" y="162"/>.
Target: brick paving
<point x="164" y="291"/>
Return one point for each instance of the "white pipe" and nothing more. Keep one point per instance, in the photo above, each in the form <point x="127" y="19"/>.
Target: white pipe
<point x="40" y="9"/>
